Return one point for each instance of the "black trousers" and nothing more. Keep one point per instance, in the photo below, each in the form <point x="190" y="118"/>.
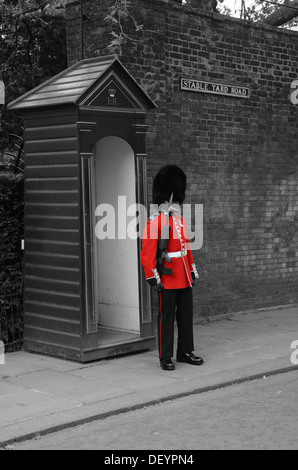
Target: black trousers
<point x="175" y="303"/>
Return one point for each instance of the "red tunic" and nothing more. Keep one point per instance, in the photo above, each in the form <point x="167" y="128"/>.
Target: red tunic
<point x="182" y="266"/>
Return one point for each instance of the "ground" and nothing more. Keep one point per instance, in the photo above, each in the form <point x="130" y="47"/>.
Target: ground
<point x="261" y="414"/>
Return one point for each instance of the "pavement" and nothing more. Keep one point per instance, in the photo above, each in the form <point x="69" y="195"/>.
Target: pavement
<point x="41" y="394"/>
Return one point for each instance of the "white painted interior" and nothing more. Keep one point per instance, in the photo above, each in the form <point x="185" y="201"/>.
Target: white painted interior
<point x="117" y="259"/>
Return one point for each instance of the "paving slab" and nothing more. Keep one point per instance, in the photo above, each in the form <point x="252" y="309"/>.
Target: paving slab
<point x="29" y="404"/>
<point x="40" y="394"/>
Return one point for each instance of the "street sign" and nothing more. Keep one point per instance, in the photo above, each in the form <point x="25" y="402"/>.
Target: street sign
<point x="2" y="93"/>
<point x="214" y="88"/>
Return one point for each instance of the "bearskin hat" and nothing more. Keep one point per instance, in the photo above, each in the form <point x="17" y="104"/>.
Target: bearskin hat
<point x="170" y="179"/>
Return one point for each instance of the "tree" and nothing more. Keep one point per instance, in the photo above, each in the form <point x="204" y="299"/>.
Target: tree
<point x="283" y="14"/>
<point x="268" y="12"/>
<point x="32" y="49"/>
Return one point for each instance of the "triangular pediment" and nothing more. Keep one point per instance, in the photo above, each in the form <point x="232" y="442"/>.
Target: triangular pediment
<point x="101" y="82"/>
<point x="111" y="92"/>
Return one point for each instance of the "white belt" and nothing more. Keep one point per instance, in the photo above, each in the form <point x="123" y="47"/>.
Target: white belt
<point x="177" y="254"/>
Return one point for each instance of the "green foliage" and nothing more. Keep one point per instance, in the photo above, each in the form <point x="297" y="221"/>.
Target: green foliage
<point x="11" y="228"/>
<point x="11" y="320"/>
<point x="11" y="259"/>
<point x="32" y="49"/>
<point x="254" y="10"/>
<point x="119" y="15"/>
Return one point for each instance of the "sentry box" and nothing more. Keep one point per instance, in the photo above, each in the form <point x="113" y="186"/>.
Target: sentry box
<point x="85" y="295"/>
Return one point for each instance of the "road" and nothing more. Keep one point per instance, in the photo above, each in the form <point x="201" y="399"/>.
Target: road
<point x="262" y="414"/>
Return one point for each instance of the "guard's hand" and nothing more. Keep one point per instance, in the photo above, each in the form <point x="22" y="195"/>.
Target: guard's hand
<point x="153" y="283"/>
<point x="193" y="278"/>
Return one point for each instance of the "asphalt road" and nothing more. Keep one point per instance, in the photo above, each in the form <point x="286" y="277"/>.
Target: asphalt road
<point x="262" y="414"/>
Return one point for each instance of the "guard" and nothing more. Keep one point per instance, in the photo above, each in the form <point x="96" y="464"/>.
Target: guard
<point x="169" y="267"/>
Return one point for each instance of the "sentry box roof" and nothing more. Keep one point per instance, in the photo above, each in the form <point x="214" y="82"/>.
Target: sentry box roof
<point x="97" y="82"/>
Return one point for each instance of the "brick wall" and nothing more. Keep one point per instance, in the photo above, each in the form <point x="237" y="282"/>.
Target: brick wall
<point x="240" y="155"/>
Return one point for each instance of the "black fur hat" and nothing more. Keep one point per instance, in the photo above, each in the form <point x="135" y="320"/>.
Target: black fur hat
<point x="170" y="179"/>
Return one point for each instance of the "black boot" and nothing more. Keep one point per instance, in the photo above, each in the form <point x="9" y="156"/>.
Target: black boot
<point x="167" y="364"/>
<point x="190" y="358"/>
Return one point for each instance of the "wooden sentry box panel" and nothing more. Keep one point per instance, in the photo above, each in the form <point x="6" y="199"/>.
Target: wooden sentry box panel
<point x="63" y="120"/>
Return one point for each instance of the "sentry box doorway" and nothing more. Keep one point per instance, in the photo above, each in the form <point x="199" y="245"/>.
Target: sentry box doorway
<point x="85" y="296"/>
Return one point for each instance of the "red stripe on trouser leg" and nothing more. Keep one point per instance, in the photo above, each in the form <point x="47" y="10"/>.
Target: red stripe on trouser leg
<point x="160" y="323"/>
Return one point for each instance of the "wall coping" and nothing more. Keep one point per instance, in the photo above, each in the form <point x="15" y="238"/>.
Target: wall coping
<point x="216" y="16"/>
